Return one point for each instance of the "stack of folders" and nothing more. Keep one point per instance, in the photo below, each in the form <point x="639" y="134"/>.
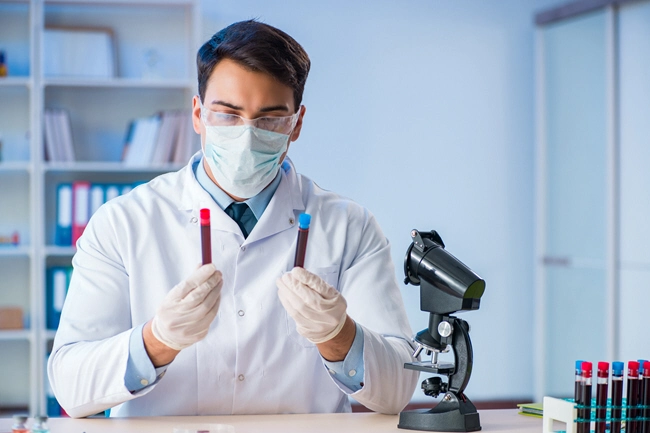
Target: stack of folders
<point x="167" y="137"/>
<point x="75" y="204"/>
<point x="58" y="136"/>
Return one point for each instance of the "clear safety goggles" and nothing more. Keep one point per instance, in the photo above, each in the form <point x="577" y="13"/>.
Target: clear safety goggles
<point x="281" y="125"/>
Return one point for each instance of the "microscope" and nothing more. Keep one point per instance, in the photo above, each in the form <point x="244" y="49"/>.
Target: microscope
<point x="446" y="286"/>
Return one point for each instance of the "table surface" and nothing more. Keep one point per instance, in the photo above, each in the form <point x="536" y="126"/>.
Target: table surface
<point x="507" y="420"/>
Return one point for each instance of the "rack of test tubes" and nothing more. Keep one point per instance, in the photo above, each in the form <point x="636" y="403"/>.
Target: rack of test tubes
<point x="606" y="413"/>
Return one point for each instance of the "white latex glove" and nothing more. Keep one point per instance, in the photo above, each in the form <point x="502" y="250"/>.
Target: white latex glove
<point x="187" y="311"/>
<point x="318" y="309"/>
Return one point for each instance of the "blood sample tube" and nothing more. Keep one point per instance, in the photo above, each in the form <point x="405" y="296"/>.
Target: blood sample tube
<point x="640" y="393"/>
<point x="602" y="383"/>
<point x="577" y="391"/>
<point x="631" y="424"/>
<point x="304" y="220"/>
<point x="646" y="397"/>
<point x="585" y="412"/>
<point x="206" y="243"/>
<point x="617" y="396"/>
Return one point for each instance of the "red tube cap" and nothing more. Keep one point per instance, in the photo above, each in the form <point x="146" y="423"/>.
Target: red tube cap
<point x="205" y="216"/>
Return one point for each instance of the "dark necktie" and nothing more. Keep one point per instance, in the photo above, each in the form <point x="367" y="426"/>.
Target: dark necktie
<point x="236" y="211"/>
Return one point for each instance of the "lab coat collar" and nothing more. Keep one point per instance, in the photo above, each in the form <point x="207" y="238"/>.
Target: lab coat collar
<point x="284" y="207"/>
<point x="280" y="214"/>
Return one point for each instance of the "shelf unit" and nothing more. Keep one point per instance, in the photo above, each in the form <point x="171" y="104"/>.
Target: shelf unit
<point x="100" y="111"/>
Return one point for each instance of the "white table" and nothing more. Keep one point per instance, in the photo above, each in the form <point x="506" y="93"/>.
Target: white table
<point x="491" y="421"/>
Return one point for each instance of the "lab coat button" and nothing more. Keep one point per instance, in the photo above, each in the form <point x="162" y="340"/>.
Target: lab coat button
<point x="291" y="221"/>
<point x="243" y="248"/>
<point x="241" y="377"/>
<point x="193" y="220"/>
<point x="241" y="313"/>
<point x="352" y="372"/>
<point x="144" y="382"/>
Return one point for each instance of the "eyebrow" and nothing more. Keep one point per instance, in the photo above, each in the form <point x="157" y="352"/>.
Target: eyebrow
<point x="269" y="109"/>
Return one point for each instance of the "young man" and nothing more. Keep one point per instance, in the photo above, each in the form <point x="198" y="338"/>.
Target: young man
<point x="146" y="332"/>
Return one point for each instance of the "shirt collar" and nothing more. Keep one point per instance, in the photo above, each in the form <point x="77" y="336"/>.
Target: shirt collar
<point x="257" y="203"/>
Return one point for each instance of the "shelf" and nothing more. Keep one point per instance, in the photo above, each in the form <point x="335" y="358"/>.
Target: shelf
<point x="186" y="3"/>
<point x="15" y="335"/>
<point x="6" y="166"/>
<point x="10" y="251"/>
<point x="86" y="166"/>
<point x="126" y="83"/>
<point x="100" y="111"/>
<point x="15" y="82"/>
<point x="56" y="251"/>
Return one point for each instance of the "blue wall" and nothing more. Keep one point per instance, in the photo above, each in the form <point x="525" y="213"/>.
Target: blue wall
<point x="423" y="111"/>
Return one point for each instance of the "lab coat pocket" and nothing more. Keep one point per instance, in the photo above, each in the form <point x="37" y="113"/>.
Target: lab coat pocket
<point x="330" y="275"/>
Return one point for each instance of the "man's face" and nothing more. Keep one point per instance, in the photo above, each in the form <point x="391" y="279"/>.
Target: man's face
<point x="233" y="89"/>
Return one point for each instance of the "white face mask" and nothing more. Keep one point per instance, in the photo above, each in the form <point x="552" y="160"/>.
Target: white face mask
<point x="243" y="159"/>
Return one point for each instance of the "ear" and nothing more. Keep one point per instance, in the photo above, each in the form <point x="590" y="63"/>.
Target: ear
<point x="196" y="115"/>
<point x="296" y="131"/>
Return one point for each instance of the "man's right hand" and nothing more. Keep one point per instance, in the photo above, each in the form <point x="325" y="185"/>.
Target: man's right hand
<point x="185" y="315"/>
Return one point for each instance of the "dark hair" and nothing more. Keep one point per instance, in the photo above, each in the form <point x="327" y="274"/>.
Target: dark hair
<point x="258" y="47"/>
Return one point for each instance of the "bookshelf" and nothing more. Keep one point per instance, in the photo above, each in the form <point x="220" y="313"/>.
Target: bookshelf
<point x="154" y="47"/>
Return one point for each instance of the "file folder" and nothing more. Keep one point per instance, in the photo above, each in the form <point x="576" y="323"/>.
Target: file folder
<point x="81" y="207"/>
<point x="57" y="288"/>
<point x="63" y="232"/>
<point x="97" y="197"/>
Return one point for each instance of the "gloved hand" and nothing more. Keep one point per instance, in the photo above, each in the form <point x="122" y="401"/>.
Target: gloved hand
<point x="318" y="309"/>
<point x="187" y="311"/>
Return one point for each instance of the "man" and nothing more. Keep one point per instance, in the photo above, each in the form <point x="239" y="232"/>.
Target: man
<point x="146" y="331"/>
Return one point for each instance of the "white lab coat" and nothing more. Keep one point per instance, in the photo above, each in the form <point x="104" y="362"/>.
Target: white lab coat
<point x="138" y="246"/>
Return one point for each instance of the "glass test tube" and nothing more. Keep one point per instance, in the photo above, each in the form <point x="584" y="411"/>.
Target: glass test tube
<point x="601" y="397"/>
<point x="206" y="239"/>
<point x="646" y="398"/>
<point x="631" y="424"/>
<point x="304" y="220"/>
<point x="617" y="396"/>
<point x="585" y="413"/>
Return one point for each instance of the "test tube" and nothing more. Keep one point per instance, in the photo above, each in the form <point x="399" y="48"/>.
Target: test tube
<point x="601" y="396"/>
<point x="617" y="396"/>
<point x="304" y="220"/>
<point x="631" y="425"/>
<point x="646" y="397"/>
<point x="206" y="243"/>
<point x="640" y="393"/>
<point x="577" y="392"/>
<point x="585" y="397"/>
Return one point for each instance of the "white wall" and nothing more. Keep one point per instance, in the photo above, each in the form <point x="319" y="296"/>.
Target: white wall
<point x="423" y="112"/>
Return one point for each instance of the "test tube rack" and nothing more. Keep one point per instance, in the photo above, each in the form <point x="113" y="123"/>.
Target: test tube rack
<point x="566" y="411"/>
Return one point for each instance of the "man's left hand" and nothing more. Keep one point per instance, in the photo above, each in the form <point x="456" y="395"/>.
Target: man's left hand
<point x="318" y="309"/>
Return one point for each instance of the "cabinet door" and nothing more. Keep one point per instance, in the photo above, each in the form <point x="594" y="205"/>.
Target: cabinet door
<point x="634" y="70"/>
<point x="574" y="228"/>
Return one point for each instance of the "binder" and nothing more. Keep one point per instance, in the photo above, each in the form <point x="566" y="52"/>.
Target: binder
<point x="53" y="408"/>
<point x="126" y="189"/>
<point x="112" y="191"/>
<point x="58" y="280"/>
<point x="97" y="197"/>
<point x="63" y="233"/>
<point x="80" y="206"/>
<point x="51" y="139"/>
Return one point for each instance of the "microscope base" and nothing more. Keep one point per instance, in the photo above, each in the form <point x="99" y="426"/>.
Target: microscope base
<point x="450" y="415"/>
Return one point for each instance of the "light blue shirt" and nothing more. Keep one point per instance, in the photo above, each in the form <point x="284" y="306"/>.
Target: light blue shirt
<point x="140" y="372"/>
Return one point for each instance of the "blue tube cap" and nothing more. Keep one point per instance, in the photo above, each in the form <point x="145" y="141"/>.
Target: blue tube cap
<point x="617" y="368"/>
<point x="304" y="219"/>
<point x="579" y="364"/>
